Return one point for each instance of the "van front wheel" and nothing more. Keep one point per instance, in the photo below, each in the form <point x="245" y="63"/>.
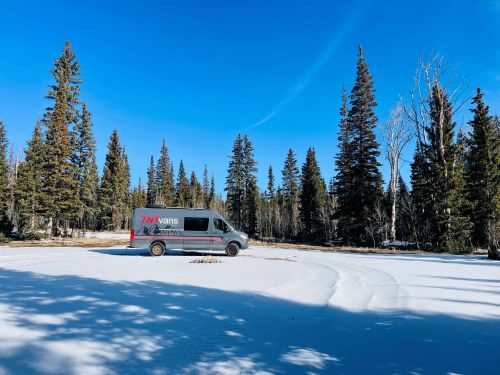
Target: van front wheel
<point x="232" y="249"/>
<point x="157" y="249"/>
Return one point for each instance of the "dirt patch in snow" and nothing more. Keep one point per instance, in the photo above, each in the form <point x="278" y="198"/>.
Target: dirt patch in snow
<point x="207" y="259"/>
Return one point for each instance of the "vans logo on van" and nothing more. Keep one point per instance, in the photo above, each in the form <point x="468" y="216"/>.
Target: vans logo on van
<point x="159" y="220"/>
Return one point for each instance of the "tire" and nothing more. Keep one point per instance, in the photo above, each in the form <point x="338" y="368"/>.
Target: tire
<point x="232" y="249"/>
<point x="157" y="249"/>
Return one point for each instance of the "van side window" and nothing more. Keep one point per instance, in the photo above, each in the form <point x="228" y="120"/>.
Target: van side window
<point x="199" y="224"/>
<point x="219" y="224"/>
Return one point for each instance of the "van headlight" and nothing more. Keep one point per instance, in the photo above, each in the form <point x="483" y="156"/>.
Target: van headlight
<point x="244" y="236"/>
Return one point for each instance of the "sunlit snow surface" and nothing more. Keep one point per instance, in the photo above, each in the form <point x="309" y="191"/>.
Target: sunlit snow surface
<point x="119" y="311"/>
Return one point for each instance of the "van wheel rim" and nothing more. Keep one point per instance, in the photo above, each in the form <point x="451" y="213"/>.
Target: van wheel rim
<point x="232" y="250"/>
<point x="156" y="250"/>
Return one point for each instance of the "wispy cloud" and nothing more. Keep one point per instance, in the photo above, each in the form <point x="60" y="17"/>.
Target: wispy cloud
<point x="312" y="71"/>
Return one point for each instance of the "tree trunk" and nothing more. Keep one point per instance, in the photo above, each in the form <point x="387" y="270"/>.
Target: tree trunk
<point x="392" y="229"/>
<point x="49" y="227"/>
<point x="493" y="253"/>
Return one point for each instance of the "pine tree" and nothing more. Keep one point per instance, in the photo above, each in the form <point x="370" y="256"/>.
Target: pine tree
<point x="206" y="189"/>
<point x="152" y="188"/>
<point x="343" y="181"/>
<point x="312" y="199"/>
<point x="13" y="165"/>
<point x="5" y="223"/>
<point x="460" y="227"/>
<point x="86" y="168"/>
<point x="164" y="179"/>
<point x="195" y="191"/>
<point x="422" y="199"/>
<point x="445" y="173"/>
<point x="251" y="191"/>
<point x="211" y="195"/>
<point x="138" y="196"/>
<point x="113" y="185"/>
<point x="403" y="210"/>
<point x="29" y="192"/>
<point x="290" y="196"/>
<point x="270" y="183"/>
<point x="61" y="188"/>
<point x="182" y="189"/>
<point x="124" y="198"/>
<point x="235" y="184"/>
<point x="360" y="170"/>
<point x="482" y="175"/>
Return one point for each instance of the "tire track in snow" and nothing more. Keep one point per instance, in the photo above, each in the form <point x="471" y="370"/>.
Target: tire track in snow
<point x="343" y="284"/>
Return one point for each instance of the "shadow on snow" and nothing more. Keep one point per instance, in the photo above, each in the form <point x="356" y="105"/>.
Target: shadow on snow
<point x="70" y="324"/>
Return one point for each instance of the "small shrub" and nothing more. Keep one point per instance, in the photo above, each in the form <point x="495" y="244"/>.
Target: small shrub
<point x="33" y="236"/>
<point x="3" y="238"/>
<point x="458" y="247"/>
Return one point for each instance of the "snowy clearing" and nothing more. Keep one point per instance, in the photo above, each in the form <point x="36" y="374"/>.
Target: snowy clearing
<point x="120" y="311"/>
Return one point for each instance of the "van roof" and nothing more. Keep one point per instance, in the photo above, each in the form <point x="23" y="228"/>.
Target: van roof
<point x="157" y="206"/>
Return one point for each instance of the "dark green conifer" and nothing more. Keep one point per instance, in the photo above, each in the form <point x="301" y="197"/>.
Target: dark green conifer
<point x="290" y="196"/>
<point x="152" y="188"/>
<point x="482" y="175"/>
<point x="5" y="223"/>
<point x="61" y="187"/>
<point x="164" y="179"/>
<point x="113" y="186"/>
<point x="182" y="190"/>
<point x="30" y="181"/>
<point x="312" y="199"/>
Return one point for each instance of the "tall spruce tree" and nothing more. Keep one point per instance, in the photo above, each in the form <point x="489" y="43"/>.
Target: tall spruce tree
<point x="61" y="187"/>
<point x="251" y="190"/>
<point x="124" y="198"/>
<point x="404" y="211"/>
<point x="270" y="183"/>
<point x="29" y="191"/>
<point x="422" y="198"/>
<point x="152" y="188"/>
<point x="482" y="174"/>
<point x="138" y="196"/>
<point x="444" y="156"/>
<point x="114" y="183"/>
<point x="235" y="184"/>
<point x="290" y="196"/>
<point x="164" y="178"/>
<point x="363" y="177"/>
<point x="211" y="194"/>
<point x="182" y="189"/>
<point x="84" y="160"/>
<point x="13" y="164"/>
<point x="5" y="225"/>
<point x="206" y="189"/>
<point x="344" y="165"/>
<point x="196" y="199"/>
<point x="312" y="199"/>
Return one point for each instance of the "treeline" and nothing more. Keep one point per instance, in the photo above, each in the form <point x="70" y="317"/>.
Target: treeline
<point x="453" y="204"/>
<point x="56" y="190"/>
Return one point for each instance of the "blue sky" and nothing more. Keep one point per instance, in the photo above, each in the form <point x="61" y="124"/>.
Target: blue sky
<point x="197" y="73"/>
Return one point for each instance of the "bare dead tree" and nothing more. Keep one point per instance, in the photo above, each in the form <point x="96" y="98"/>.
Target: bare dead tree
<point x="398" y="131"/>
<point x="429" y="73"/>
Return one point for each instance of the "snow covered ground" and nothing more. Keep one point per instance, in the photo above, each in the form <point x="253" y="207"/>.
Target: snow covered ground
<point x="119" y="311"/>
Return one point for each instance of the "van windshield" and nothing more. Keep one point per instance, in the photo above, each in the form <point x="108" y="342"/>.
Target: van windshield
<point x="231" y="228"/>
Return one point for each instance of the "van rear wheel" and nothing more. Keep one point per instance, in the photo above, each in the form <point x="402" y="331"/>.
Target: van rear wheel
<point x="232" y="249"/>
<point x="157" y="249"/>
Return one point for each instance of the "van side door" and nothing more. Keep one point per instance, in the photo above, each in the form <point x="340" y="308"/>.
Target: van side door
<point x="218" y="234"/>
<point x="197" y="233"/>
